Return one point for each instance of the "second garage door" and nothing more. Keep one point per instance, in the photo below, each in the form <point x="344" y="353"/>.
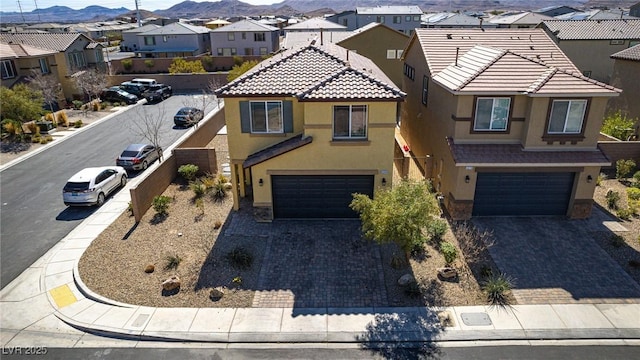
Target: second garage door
<point x="522" y="194"/>
<point x="317" y="196"/>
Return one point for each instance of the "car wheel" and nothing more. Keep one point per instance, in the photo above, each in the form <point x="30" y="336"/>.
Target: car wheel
<point x="100" y="200"/>
<point x="123" y="181"/>
<point x="144" y="165"/>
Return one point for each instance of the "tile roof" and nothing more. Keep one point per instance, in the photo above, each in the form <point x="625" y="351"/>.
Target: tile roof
<point x="245" y="25"/>
<point x="142" y="29"/>
<point x="496" y="71"/>
<point x="506" y="155"/>
<point x="315" y="72"/>
<point x="178" y="28"/>
<point x="316" y="23"/>
<point x="594" y="29"/>
<point x="12" y="51"/>
<point x="439" y="45"/>
<point x="52" y="41"/>
<point x="296" y="39"/>
<point x="525" y="18"/>
<point x="596" y="14"/>
<point x="280" y="148"/>
<point x="450" y="19"/>
<point x="385" y="10"/>
<point x="632" y="53"/>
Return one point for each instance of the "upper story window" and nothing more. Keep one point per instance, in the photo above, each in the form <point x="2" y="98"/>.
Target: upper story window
<point x="244" y="36"/>
<point x="231" y="36"/>
<point x="397" y="19"/>
<point x="259" y="37"/>
<point x="380" y="19"/>
<point x="266" y="116"/>
<point x="165" y="38"/>
<point x="416" y="17"/>
<point x="492" y="114"/>
<point x="227" y="51"/>
<point x="149" y="40"/>
<point x="8" y="69"/>
<point x="350" y="122"/>
<point x="263" y="51"/>
<point x="44" y="66"/>
<point x="407" y="18"/>
<point x="425" y="89"/>
<point x="409" y="71"/>
<point x="567" y="116"/>
<point x="77" y="60"/>
<point x="345" y="22"/>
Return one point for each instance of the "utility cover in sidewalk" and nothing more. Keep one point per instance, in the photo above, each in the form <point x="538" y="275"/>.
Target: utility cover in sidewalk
<point x="476" y="319"/>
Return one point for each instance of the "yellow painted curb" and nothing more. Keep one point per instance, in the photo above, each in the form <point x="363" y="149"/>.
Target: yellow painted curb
<point x="63" y="296"/>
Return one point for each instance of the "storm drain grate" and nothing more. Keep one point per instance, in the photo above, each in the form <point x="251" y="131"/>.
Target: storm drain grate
<point x="476" y="319"/>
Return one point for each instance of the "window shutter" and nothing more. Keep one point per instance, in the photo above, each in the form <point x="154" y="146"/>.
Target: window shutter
<point x="287" y="112"/>
<point x="245" y="117"/>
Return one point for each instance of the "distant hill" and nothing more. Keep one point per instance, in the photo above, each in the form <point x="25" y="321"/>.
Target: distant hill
<point x="230" y="8"/>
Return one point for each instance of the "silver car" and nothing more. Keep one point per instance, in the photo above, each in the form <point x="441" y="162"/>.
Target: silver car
<point x="91" y="186"/>
<point x="138" y="156"/>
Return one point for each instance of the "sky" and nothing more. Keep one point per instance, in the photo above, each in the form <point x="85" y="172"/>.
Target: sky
<point x="151" y="5"/>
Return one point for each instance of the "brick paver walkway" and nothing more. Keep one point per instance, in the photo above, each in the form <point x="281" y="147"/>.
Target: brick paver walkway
<point x="555" y="260"/>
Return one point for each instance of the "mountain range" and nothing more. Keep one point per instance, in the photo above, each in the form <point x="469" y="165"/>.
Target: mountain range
<point x="229" y="8"/>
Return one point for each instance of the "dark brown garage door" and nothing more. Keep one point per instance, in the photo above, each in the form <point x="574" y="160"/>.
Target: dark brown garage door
<point x="317" y="196"/>
<point x="522" y="194"/>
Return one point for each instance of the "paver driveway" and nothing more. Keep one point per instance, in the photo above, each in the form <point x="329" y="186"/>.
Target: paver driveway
<point x="555" y="260"/>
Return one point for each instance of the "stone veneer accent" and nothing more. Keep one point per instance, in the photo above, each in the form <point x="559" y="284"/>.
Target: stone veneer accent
<point x="581" y="208"/>
<point x="459" y="209"/>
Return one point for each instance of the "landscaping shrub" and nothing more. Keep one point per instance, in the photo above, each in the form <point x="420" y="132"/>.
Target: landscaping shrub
<point x="636" y="179"/>
<point x="436" y="229"/>
<point x="602" y="177"/>
<point x="612" y="197"/>
<point x="633" y="193"/>
<point x="208" y="181"/>
<point x="198" y="189"/>
<point x="63" y="118"/>
<point x="49" y="117"/>
<point x="217" y="225"/>
<point x="95" y="106"/>
<point x="188" y="171"/>
<point x="77" y="104"/>
<point x="36" y="138"/>
<point x="127" y="64"/>
<point x="161" y="204"/>
<point x="449" y="252"/>
<point x="240" y="258"/>
<point x="624" y="214"/>
<point x="149" y="63"/>
<point x="624" y="168"/>
<point x="497" y="288"/>
<point x="172" y="262"/>
<point x="11" y="127"/>
<point x="618" y="125"/>
<point x="77" y="124"/>
<point x="43" y="140"/>
<point x="219" y="190"/>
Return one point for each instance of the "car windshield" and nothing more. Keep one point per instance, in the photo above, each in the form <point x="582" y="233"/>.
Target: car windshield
<point x="129" y="153"/>
<point x="122" y="92"/>
<point x="183" y="111"/>
<point x="76" y="186"/>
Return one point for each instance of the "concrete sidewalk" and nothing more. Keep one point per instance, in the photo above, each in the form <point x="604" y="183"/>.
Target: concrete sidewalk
<point x="48" y="305"/>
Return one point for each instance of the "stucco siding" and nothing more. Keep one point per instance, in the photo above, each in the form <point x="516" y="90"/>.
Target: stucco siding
<point x="593" y="56"/>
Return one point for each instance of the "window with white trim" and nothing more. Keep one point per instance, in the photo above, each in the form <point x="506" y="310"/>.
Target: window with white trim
<point x="350" y="122"/>
<point x="263" y="51"/>
<point x="567" y="116"/>
<point x="380" y="19"/>
<point x="149" y="40"/>
<point x="227" y="51"/>
<point x="492" y="114"/>
<point x="266" y="117"/>
<point x="391" y="54"/>
<point x="77" y="60"/>
<point x="8" y="69"/>
<point x="44" y="66"/>
<point x="231" y="36"/>
<point x="397" y="19"/>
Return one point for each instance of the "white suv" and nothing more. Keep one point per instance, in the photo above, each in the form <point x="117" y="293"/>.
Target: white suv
<point x="91" y="186"/>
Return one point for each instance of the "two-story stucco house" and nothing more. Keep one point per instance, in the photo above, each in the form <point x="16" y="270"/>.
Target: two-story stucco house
<point x="174" y="40"/>
<point x="73" y="52"/>
<point x="401" y="18"/>
<point x="19" y="61"/>
<point x="130" y="40"/>
<point x="503" y="122"/>
<point x="309" y="127"/>
<point x="245" y="37"/>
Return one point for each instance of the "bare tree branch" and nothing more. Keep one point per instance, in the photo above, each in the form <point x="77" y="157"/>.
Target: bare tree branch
<point x="91" y="82"/>
<point x="149" y="125"/>
<point x="47" y="85"/>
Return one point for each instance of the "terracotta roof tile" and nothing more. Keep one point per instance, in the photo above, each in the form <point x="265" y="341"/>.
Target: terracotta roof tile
<point x="632" y="53"/>
<point x="276" y="150"/>
<point x="21" y="50"/>
<point x="606" y="29"/>
<point x="514" y="155"/>
<point x="315" y="72"/>
<point x="52" y="41"/>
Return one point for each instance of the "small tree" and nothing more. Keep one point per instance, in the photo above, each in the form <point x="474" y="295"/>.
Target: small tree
<point x="182" y="66"/>
<point x="624" y="168"/>
<point x="618" y="125"/>
<point x="399" y="215"/>
<point x="91" y="82"/>
<point x="238" y="70"/>
<point x="48" y="86"/>
<point x="21" y="103"/>
<point x="149" y="125"/>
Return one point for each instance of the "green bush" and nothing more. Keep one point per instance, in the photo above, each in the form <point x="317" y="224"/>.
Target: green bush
<point x="188" y="171"/>
<point x="127" y="64"/>
<point x="198" y="189"/>
<point x="624" y="168"/>
<point x="633" y="193"/>
<point x="618" y="125"/>
<point x="149" y="63"/>
<point x="219" y="190"/>
<point x="624" y="214"/>
<point x="636" y="179"/>
<point x="449" y="252"/>
<point x="77" y="104"/>
<point x="161" y="204"/>
<point x="240" y="258"/>
<point x="602" y="177"/>
<point x="172" y="262"/>
<point x="497" y="288"/>
<point x="77" y="124"/>
<point x="612" y="199"/>
<point x="436" y="229"/>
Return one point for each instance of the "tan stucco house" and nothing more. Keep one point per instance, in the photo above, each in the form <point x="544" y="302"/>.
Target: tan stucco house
<point x="626" y="76"/>
<point x="503" y="122"/>
<point x="19" y="61"/>
<point x="309" y="127"/>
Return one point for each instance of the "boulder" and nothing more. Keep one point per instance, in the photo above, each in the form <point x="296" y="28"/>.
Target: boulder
<point x="447" y="273"/>
<point x="149" y="268"/>
<point x="216" y="293"/>
<point x="171" y="283"/>
<point x="406" y="279"/>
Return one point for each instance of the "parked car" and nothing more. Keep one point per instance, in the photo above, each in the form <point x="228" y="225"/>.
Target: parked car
<point x="188" y="116"/>
<point x="133" y="88"/>
<point x="114" y="94"/>
<point x="138" y="156"/>
<point x="144" y="81"/>
<point x="91" y="186"/>
<point x="157" y="92"/>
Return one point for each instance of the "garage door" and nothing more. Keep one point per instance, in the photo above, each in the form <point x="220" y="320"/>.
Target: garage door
<point x="317" y="196"/>
<point x="522" y="193"/>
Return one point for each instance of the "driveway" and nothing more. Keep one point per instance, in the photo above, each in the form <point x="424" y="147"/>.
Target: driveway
<point x="555" y="260"/>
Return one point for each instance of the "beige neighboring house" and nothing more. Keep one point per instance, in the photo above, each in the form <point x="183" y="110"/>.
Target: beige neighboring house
<point x="590" y="43"/>
<point x="503" y="122"/>
<point x="307" y="128"/>
<point x="19" y="61"/>
<point x="626" y="76"/>
<point x="73" y="53"/>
